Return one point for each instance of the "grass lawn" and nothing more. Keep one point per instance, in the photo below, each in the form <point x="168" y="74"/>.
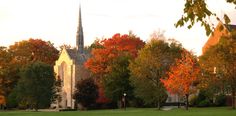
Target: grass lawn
<point x="222" y="111"/>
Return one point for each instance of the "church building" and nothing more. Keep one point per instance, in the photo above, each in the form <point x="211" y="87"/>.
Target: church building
<point x="69" y="68"/>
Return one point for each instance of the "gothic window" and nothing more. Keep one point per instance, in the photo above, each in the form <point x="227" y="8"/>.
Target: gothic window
<point x="63" y="72"/>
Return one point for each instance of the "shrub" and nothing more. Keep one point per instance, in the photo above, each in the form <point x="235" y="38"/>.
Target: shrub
<point x="204" y="103"/>
<point x="201" y="100"/>
<point x="193" y="100"/>
<point x="220" y="100"/>
<point x="86" y="93"/>
<point x="12" y="100"/>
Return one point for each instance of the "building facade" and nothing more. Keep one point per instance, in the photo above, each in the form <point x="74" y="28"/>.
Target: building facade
<point x="220" y="31"/>
<point x="69" y="68"/>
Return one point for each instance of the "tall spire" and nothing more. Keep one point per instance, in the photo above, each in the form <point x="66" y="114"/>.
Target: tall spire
<point x="79" y="34"/>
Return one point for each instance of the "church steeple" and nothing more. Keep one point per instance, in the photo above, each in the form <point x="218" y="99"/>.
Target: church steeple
<point x="79" y="34"/>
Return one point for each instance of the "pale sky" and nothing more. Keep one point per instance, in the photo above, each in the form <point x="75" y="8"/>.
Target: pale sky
<point x="57" y="20"/>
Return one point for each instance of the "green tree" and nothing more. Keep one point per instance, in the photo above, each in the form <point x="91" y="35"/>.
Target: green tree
<point x="36" y="85"/>
<point x="95" y="45"/>
<point x="219" y="64"/>
<point x="18" y="56"/>
<point x="86" y="92"/>
<point x="57" y="89"/>
<point x="117" y="82"/>
<point x="150" y="66"/>
<point x="211" y="80"/>
<point x="197" y="11"/>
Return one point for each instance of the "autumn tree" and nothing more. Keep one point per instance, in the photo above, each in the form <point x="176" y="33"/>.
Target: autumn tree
<point x="106" y="56"/>
<point x="2" y="102"/>
<point x="110" y="49"/>
<point x="8" y="73"/>
<point x="212" y="78"/>
<point x="4" y="58"/>
<point x="197" y="11"/>
<point x="5" y="82"/>
<point x="182" y="76"/>
<point x="150" y="66"/>
<point x="20" y="54"/>
<point x="219" y="64"/>
<point x="27" y="51"/>
<point x="36" y="85"/>
<point x="86" y="92"/>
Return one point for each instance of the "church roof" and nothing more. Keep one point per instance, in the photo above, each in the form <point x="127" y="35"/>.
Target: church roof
<point x="71" y="53"/>
<point x="79" y="58"/>
<point x="230" y="27"/>
<point x="78" y="54"/>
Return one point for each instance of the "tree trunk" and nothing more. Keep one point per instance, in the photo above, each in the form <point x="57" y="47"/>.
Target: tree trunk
<point x="159" y="105"/>
<point x="36" y="107"/>
<point x="187" y="101"/>
<point x="233" y="98"/>
<point x="178" y="102"/>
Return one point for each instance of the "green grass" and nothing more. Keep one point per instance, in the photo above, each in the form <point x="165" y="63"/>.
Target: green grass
<point x="223" y="111"/>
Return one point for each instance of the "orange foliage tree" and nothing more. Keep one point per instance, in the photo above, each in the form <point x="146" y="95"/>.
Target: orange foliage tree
<point x="112" y="48"/>
<point x="20" y="54"/>
<point x="30" y="50"/>
<point x="105" y="55"/>
<point x="2" y="100"/>
<point x="182" y="76"/>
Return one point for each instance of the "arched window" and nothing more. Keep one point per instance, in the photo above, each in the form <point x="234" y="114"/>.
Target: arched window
<point x="63" y="71"/>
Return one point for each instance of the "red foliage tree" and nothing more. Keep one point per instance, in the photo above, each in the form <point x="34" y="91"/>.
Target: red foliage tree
<point x="111" y="49"/>
<point x="104" y="55"/>
<point x="30" y="50"/>
<point x="182" y="76"/>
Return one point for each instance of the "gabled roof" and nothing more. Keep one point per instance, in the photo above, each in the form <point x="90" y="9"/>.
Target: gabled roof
<point x="72" y="53"/>
<point x="79" y="58"/>
<point x="230" y="27"/>
<point x="217" y="34"/>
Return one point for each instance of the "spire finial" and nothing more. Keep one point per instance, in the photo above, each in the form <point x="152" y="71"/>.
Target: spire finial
<point x="79" y="34"/>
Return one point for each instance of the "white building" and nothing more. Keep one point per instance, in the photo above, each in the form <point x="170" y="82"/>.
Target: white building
<point x="69" y="68"/>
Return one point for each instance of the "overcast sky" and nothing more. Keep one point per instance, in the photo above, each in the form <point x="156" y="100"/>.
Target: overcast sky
<point x="57" y="20"/>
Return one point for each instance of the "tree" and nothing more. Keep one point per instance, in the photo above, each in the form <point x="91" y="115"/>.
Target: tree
<point x="102" y="57"/>
<point x="212" y="78"/>
<point x="8" y="73"/>
<point x="95" y="45"/>
<point x="65" y="46"/>
<point x="5" y="58"/>
<point x="222" y="65"/>
<point x="117" y="82"/>
<point x="31" y="50"/>
<point x="182" y="76"/>
<point x="150" y="66"/>
<point x="86" y="92"/>
<point x="36" y="85"/>
<point x="197" y="11"/>
<point x="109" y="62"/>
<point x="18" y="56"/>
<point x="57" y="89"/>
<point x="2" y="102"/>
